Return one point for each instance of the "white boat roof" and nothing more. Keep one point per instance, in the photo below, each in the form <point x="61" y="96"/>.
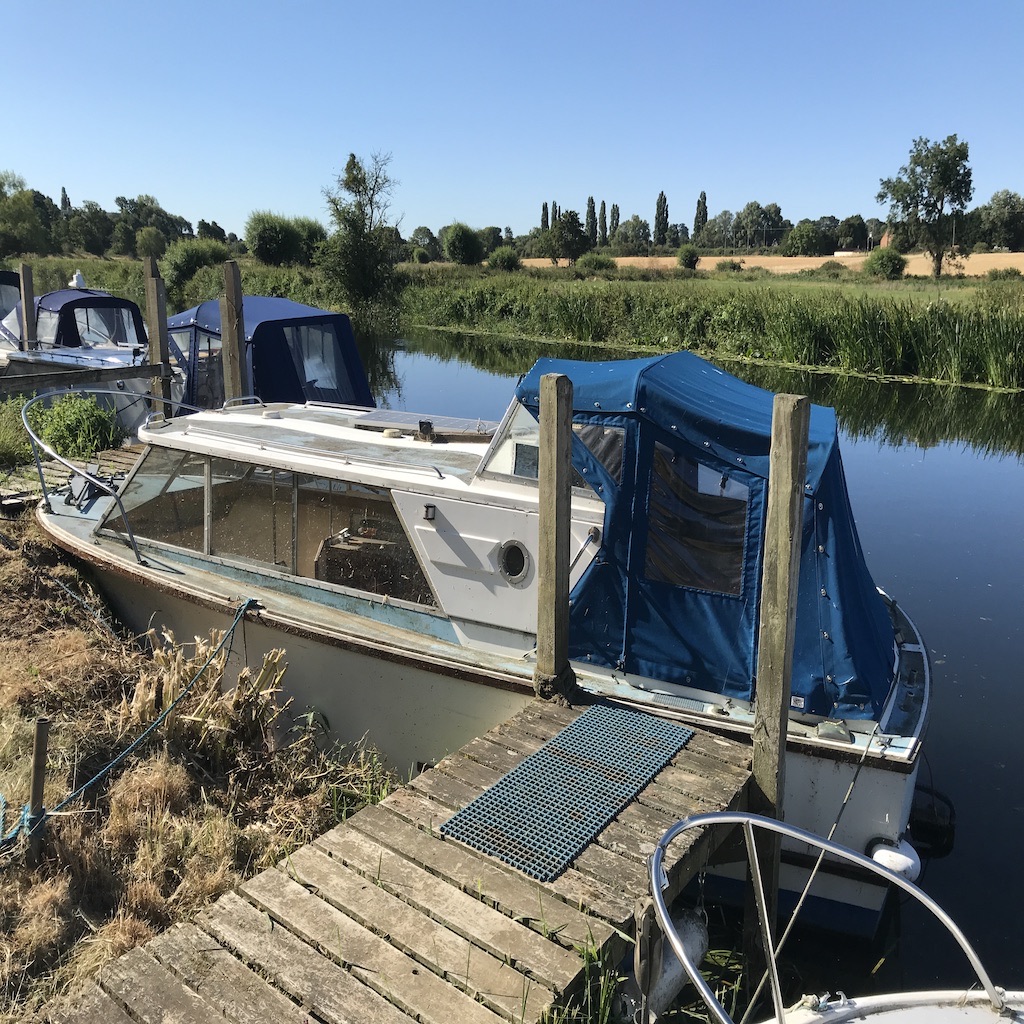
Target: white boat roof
<point x="333" y="441"/>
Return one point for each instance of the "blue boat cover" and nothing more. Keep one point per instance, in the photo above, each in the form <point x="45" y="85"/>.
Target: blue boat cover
<point x="674" y="592"/>
<point x="295" y="353"/>
<point x="64" y="302"/>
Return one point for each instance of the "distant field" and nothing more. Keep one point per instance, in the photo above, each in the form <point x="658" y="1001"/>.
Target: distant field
<point x="973" y="266"/>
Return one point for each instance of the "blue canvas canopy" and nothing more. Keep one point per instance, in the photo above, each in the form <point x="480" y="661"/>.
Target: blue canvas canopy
<point x="77" y="317"/>
<point x="294" y="353"/>
<point x="679" y="451"/>
<point x="10" y="291"/>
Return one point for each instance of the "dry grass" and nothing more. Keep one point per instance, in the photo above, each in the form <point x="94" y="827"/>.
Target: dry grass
<point x="209" y="799"/>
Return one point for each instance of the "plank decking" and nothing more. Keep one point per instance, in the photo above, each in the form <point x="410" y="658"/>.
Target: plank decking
<point x="383" y="920"/>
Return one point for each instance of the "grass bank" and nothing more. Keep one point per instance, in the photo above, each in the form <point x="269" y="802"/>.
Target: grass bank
<point x="966" y="336"/>
<point x="212" y="796"/>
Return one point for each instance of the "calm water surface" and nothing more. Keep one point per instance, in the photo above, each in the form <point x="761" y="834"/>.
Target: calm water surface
<point x="936" y="479"/>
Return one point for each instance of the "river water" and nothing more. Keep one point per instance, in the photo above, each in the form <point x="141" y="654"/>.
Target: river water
<point x="936" y="478"/>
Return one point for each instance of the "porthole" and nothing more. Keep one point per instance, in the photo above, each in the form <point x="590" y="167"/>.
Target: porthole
<point x="513" y="561"/>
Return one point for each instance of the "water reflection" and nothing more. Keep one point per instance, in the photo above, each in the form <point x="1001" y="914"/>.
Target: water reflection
<point x="936" y="482"/>
<point x="925" y="415"/>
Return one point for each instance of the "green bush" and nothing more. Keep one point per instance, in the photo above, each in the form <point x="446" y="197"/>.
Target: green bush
<point x="184" y="258"/>
<point x="885" y="263"/>
<point x="504" y="258"/>
<point x="594" y="262"/>
<point x="420" y="255"/>
<point x="462" y="245"/>
<point x="1003" y="274"/>
<point x="729" y="266"/>
<point x="832" y="269"/>
<point x="275" y="239"/>
<point x="76" y="426"/>
<point x="15" y="447"/>
<point x="688" y="257"/>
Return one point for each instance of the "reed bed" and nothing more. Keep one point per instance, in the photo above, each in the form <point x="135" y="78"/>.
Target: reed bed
<point x="974" y="337"/>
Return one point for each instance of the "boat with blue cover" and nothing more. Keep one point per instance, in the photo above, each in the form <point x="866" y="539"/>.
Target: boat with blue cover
<point x="395" y="557"/>
<point x="293" y="353"/>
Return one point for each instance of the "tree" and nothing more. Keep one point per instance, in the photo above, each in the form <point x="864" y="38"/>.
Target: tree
<point x="425" y="239"/>
<point x="1002" y="221"/>
<point x="569" y="237"/>
<point x="150" y="242"/>
<point x="65" y="204"/>
<point x="544" y="217"/>
<point x="700" y="218"/>
<point x="853" y="233"/>
<point x="462" y="245"/>
<point x="122" y="242"/>
<point x="613" y="222"/>
<point x="21" y="229"/>
<point x="936" y="180"/>
<point x="806" y="239"/>
<point x="90" y="228"/>
<point x="718" y="232"/>
<point x="591" y="225"/>
<point x="11" y="183"/>
<point x="660" y="219"/>
<point x="358" y="258"/>
<point x="490" y="239"/>
<point x="602" y="227"/>
<point x="273" y="239"/>
<point x="633" y="237"/>
<point x="212" y="230"/>
<point x="507" y="239"/>
<point x="749" y="225"/>
<point x="311" y="233"/>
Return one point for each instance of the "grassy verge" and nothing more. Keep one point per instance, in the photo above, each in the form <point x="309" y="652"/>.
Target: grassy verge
<point x="211" y="798"/>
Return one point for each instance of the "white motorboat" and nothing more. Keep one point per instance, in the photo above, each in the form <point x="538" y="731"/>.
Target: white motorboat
<point x="395" y="557"/>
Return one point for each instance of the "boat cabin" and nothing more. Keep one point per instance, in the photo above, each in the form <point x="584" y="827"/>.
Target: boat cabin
<point x="80" y="318"/>
<point x="10" y="291"/>
<point x="293" y="353"/>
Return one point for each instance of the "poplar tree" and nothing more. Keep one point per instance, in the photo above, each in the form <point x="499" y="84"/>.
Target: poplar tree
<point x="613" y="225"/>
<point x="700" y="220"/>
<point x="591" y="227"/>
<point x="544" y="217"/>
<point x="602" y="226"/>
<point x="660" y="219"/>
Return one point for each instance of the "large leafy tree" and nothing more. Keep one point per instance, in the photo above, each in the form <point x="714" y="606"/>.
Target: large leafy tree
<point x="569" y="237"/>
<point x="359" y="256"/>
<point x="1002" y="220"/>
<point x="935" y="182"/>
<point x="462" y="244"/>
<point x="425" y="239"/>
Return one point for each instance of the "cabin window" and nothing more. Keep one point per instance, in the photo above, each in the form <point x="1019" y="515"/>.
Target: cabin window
<point x="252" y="513"/>
<point x="696" y="525"/>
<point x="209" y="383"/>
<point x="46" y="326"/>
<point x="317" y="344"/>
<point x="605" y="444"/>
<point x="516" y="450"/>
<point x="328" y="530"/>
<point x="164" y="500"/>
<point x="106" y="325"/>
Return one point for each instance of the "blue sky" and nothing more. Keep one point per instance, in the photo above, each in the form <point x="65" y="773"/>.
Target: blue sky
<point x="488" y="110"/>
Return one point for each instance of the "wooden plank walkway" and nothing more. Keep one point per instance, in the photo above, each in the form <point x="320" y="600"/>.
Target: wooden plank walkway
<point x="19" y="487"/>
<point x="382" y="919"/>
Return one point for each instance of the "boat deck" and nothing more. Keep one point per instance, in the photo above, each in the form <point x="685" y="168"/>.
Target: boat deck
<point x="383" y="919"/>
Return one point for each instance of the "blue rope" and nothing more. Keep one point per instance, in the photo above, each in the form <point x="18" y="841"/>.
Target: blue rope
<point x="24" y="822"/>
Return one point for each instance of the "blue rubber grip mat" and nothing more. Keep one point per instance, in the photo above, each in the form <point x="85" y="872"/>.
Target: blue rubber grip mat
<point x="543" y="813"/>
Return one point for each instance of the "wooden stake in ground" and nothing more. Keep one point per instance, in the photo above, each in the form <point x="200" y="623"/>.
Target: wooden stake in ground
<point x="156" y="325"/>
<point x="28" y="309"/>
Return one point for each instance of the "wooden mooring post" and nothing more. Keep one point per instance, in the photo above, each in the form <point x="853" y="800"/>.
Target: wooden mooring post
<point x="156" y="324"/>
<point x="232" y="332"/>
<point x="553" y="675"/>
<point x="37" y="787"/>
<point x="28" y="309"/>
<point x="787" y="476"/>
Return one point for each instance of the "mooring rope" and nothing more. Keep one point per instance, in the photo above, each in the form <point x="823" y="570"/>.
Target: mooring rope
<point x="30" y="827"/>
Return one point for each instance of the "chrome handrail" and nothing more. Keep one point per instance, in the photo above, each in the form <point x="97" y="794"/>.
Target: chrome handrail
<point x="37" y="443"/>
<point x="658" y="881"/>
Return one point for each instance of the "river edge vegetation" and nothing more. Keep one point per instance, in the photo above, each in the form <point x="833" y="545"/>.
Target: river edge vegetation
<point x="966" y="330"/>
<point x="226" y="786"/>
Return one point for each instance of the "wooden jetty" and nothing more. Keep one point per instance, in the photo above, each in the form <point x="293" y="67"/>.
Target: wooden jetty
<point x="382" y="919"/>
<point x="20" y="487"/>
